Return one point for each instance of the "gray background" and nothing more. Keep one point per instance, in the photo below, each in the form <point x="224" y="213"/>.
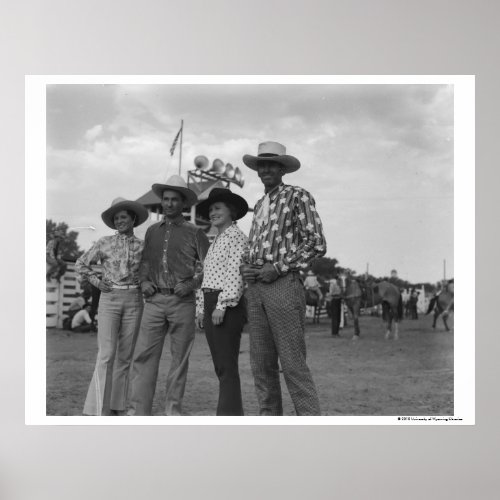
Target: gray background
<point x="259" y="37"/>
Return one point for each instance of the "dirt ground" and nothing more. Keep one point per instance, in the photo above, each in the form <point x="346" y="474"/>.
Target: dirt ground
<point x="372" y="376"/>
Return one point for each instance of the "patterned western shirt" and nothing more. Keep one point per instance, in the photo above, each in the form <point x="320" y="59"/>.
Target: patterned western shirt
<point x="172" y="252"/>
<point x="221" y="269"/>
<point x="119" y="255"/>
<point x="286" y="230"/>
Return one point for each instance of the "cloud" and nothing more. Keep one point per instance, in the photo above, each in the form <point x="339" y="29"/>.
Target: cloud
<point x="93" y="133"/>
<point x="378" y="159"/>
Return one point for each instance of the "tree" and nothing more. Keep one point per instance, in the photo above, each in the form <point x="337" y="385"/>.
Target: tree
<point x="69" y="247"/>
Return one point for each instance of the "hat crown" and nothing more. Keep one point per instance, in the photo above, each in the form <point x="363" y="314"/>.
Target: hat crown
<point x="217" y="191"/>
<point x="117" y="200"/>
<point x="176" y="181"/>
<point x="271" y="148"/>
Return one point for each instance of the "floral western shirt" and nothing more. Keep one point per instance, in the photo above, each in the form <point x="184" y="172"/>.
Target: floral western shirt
<point x="120" y="256"/>
<point x="286" y="230"/>
<point x="221" y="270"/>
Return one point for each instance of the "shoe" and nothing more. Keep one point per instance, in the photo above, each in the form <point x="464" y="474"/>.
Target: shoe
<point x="118" y="413"/>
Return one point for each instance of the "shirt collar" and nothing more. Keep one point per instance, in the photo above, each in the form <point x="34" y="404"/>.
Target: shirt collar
<point x="178" y="221"/>
<point x="228" y="230"/>
<point x="124" y="236"/>
<point x="275" y="190"/>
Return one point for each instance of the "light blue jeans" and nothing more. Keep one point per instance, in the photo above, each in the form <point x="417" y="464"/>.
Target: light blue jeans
<point x="163" y="314"/>
<point x="119" y="316"/>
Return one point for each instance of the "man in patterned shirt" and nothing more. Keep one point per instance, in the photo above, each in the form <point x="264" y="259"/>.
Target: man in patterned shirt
<point x="286" y="234"/>
<point x="172" y="249"/>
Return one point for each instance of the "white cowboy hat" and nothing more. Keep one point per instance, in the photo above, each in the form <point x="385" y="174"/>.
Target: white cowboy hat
<point x="118" y="204"/>
<point x="176" y="183"/>
<point x="272" y="151"/>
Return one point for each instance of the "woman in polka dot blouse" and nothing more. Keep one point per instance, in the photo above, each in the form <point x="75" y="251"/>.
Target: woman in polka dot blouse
<point x="220" y="309"/>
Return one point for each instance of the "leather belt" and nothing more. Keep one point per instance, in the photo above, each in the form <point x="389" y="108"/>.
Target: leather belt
<point x="125" y="287"/>
<point x="210" y="290"/>
<point x="165" y="291"/>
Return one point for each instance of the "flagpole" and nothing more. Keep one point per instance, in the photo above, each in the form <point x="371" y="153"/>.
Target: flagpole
<point x="180" y="151"/>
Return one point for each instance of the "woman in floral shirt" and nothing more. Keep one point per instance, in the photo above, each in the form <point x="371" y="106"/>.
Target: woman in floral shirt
<point x="220" y="308"/>
<point x="120" y="305"/>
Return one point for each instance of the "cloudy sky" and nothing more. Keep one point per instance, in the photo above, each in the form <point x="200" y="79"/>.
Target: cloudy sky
<point x="378" y="159"/>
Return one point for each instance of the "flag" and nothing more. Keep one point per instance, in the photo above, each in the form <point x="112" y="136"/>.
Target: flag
<point x="172" y="149"/>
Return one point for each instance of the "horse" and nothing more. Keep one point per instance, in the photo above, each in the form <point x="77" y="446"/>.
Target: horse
<point x="351" y="294"/>
<point x="442" y="305"/>
<point x="312" y="299"/>
<point x="389" y="296"/>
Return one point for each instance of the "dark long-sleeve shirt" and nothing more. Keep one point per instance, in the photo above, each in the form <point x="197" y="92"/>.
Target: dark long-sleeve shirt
<point x="172" y="252"/>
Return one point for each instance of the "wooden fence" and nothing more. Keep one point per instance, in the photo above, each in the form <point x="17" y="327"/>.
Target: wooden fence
<point x="59" y="296"/>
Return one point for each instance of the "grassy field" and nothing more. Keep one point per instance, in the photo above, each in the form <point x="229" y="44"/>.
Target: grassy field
<point x="372" y="376"/>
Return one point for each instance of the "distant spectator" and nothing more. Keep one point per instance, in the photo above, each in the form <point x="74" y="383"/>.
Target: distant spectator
<point x="81" y="322"/>
<point x="335" y="306"/>
<point x="312" y="283"/>
<point x="405" y="294"/>
<point x="77" y="305"/>
<point x="56" y="267"/>
<point x="412" y="304"/>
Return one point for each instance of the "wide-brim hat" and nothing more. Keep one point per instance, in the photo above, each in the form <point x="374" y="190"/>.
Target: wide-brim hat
<point x="176" y="183"/>
<point x="118" y="204"/>
<point x="226" y="196"/>
<point x="272" y="151"/>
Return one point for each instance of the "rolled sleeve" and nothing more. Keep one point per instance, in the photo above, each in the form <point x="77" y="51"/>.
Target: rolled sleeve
<point x="83" y="264"/>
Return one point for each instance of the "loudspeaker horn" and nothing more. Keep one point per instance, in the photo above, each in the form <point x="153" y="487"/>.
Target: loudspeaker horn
<point x="217" y="166"/>
<point x="201" y="162"/>
<point x="229" y="172"/>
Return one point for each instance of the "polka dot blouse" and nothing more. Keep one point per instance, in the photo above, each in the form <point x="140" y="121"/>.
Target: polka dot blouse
<point x="221" y="269"/>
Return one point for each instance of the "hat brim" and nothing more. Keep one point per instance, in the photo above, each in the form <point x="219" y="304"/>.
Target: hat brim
<point x="189" y="195"/>
<point x="231" y="198"/>
<point x="290" y="163"/>
<point x="139" y="210"/>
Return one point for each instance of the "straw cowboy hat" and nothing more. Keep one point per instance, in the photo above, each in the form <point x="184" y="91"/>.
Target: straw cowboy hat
<point x="176" y="183"/>
<point x="118" y="204"/>
<point x="226" y="196"/>
<point x="272" y="151"/>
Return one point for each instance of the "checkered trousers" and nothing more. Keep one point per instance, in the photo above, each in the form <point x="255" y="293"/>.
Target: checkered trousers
<point x="276" y="314"/>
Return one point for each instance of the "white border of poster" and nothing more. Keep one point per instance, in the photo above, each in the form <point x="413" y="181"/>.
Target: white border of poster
<point x="464" y="225"/>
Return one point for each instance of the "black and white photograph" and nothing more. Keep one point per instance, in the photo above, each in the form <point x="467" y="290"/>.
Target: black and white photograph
<point x="250" y="248"/>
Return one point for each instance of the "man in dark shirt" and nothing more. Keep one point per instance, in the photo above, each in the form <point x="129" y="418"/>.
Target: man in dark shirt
<point x="172" y="249"/>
